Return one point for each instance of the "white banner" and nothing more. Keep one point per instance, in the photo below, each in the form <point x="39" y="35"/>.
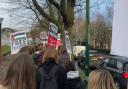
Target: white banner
<point x="18" y="40"/>
<point x="67" y="41"/>
<point x="43" y="35"/>
<point x="120" y="28"/>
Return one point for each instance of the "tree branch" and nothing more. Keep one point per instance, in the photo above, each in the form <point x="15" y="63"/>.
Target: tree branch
<point x="61" y="7"/>
<point x="43" y="13"/>
<point x="55" y="4"/>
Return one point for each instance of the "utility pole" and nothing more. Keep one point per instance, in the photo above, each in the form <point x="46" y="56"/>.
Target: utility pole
<point x="86" y="60"/>
<point x="1" y="19"/>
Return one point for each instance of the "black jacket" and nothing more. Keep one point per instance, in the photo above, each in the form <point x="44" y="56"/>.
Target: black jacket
<point x="74" y="81"/>
<point x="61" y="74"/>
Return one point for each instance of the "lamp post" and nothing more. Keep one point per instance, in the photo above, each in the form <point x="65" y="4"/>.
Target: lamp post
<point x="1" y="19"/>
<point x="86" y="61"/>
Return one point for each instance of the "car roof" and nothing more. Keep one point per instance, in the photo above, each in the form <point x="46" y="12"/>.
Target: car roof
<point x="120" y="58"/>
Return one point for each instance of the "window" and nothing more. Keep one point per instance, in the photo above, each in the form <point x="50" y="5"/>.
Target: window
<point x="119" y="65"/>
<point x="112" y="63"/>
<point x="126" y="66"/>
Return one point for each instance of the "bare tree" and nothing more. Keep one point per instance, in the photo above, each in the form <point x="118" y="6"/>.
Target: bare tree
<point x="79" y="30"/>
<point x="60" y="12"/>
<point x="100" y="33"/>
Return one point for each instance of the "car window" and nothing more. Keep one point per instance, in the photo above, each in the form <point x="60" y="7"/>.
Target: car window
<point x="119" y="65"/>
<point x="106" y="60"/>
<point x="126" y="66"/>
<point x="112" y="63"/>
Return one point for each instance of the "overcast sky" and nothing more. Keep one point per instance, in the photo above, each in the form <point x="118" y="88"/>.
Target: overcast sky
<point x="4" y="14"/>
<point x="9" y="20"/>
<point x="13" y="22"/>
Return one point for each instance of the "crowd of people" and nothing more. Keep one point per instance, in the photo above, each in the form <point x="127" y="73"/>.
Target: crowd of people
<point x="44" y="67"/>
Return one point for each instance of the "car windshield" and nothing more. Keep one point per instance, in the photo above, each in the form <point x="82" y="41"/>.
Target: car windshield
<point x="91" y="52"/>
<point x="126" y="66"/>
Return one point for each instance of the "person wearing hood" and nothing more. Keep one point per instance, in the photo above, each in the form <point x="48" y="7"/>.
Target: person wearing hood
<point x="50" y="74"/>
<point x="74" y="80"/>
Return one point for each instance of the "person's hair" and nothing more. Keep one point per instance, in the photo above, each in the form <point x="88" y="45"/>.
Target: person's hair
<point x="20" y="73"/>
<point x="101" y="79"/>
<point x="50" y="53"/>
<point x="3" y="69"/>
<point x="28" y="49"/>
<point x="69" y="66"/>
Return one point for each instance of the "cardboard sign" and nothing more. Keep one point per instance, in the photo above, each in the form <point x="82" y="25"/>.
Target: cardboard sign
<point x="43" y="36"/>
<point x="52" y="35"/>
<point x="18" y="40"/>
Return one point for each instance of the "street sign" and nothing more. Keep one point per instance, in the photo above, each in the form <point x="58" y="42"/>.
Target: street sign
<point x="52" y="35"/>
<point x="18" y="40"/>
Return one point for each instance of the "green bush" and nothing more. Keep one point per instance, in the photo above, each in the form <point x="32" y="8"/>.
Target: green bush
<point x="5" y="49"/>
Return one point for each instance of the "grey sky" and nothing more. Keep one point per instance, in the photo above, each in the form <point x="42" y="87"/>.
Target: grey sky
<point x="9" y="19"/>
<point x="16" y="23"/>
<point x="4" y="14"/>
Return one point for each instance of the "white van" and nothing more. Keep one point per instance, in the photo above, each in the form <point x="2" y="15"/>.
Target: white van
<point x="77" y="50"/>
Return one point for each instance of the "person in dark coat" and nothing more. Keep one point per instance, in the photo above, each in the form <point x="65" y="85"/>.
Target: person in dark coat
<point x="74" y="80"/>
<point x="64" y="57"/>
<point x="38" y="55"/>
<point x="49" y="61"/>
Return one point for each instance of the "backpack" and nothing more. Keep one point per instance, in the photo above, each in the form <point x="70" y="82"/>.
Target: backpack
<point x="49" y="81"/>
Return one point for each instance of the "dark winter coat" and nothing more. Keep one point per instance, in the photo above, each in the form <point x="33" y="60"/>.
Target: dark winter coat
<point x="36" y="58"/>
<point x="60" y="73"/>
<point x="74" y="81"/>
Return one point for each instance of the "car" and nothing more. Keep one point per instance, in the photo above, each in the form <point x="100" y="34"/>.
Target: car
<point x="94" y="56"/>
<point x="118" y="67"/>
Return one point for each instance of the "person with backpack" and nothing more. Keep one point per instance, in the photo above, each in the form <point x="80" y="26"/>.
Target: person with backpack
<point x="50" y="74"/>
<point x="74" y="80"/>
